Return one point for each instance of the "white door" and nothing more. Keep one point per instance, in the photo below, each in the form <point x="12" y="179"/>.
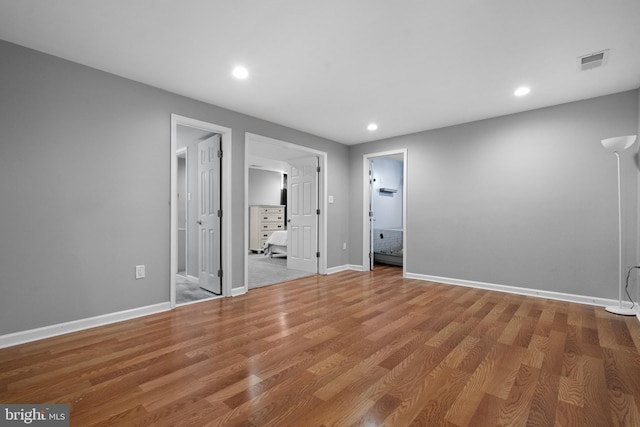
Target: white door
<point x="302" y="221"/>
<point x="209" y="272"/>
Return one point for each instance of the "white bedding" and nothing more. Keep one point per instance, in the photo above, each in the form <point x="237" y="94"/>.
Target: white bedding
<point x="276" y="244"/>
<point x="278" y="238"/>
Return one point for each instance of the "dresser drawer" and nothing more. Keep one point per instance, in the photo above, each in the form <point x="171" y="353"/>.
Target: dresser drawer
<point x="272" y="210"/>
<point x="272" y="217"/>
<point x="272" y="226"/>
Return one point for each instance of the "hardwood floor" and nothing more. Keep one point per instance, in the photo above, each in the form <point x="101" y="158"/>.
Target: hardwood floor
<point x="352" y="348"/>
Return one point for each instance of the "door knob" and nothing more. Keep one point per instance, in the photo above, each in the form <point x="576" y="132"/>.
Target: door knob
<point x="288" y="220"/>
<point x="199" y="222"/>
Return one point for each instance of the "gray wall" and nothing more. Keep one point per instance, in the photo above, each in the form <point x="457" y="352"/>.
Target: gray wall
<point x="182" y="192"/>
<point x="84" y="189"/>
<point x="523" y="200"/>
<point x="264" y="187"/>
<point x="193" y="208"/>
<point x="182" y="213"/>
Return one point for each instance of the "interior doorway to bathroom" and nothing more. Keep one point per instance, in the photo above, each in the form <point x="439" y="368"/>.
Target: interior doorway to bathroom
<point x="385" y="209"/>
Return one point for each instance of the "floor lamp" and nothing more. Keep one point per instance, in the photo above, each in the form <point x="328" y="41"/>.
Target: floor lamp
<point x="618" y="144"/>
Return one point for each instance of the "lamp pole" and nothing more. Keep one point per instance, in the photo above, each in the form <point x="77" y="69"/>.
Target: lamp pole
<point x="616" y="145"/>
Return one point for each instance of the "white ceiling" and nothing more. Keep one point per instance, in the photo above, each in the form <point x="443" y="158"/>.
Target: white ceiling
<point x="330" y="67"/>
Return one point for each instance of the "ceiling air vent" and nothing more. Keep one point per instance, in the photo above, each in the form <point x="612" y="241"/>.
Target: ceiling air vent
<point x="593" y="60"/>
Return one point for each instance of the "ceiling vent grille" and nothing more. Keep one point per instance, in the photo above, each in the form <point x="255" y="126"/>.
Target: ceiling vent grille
<point x="593" y="60"/>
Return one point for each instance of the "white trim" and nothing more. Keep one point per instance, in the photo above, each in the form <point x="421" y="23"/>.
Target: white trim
<point x="184" y="151"/>
<point x="213" y="297"/>
<point x="346" y="267"/>
<point x="366" y="158"/>
<point x="560" y="296"/>
<point x="245" y="284"/>
<point x="227" y="241"/>
<point x="322" y="156"/>
<point x="225" y="134"/>
<point x="238" y="291"/>
<point x="79" y="325"/>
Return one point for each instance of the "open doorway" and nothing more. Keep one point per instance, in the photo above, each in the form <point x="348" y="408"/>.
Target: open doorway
<point x="384" y="209"/>
<point x="198" y="224"/>
<point x="285" y="211"/>
<point x="198" y="195"/>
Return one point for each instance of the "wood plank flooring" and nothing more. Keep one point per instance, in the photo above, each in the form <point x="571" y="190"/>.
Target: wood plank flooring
<point x="353" y="348"/>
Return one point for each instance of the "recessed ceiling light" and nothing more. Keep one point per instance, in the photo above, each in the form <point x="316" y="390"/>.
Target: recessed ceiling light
<point x="522" y="91"/>
<point x="240" y="72"/>
<point x="372" y="126"/>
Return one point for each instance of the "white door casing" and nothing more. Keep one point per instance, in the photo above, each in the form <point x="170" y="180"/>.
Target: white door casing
<point x="225" y="202"/>
<point x="209" y="219"/>
<point x="302" y="213"/>
<point x="367" y="223"/>
<point x="371" y="219"/>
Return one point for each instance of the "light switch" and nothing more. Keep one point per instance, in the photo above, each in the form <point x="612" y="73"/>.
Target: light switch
<point x="330" y="199"/>
<point x="140" y="272"/>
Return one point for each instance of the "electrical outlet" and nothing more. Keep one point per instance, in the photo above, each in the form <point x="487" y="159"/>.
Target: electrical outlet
<point x="140" y="271"/>
<point x="344" y="245"/>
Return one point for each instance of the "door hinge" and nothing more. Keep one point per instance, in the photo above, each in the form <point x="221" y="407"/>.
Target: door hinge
<point x="219" y="213"/>
<point x="317" y="168"/>
<point x="220" y="274"/>
<point x="317" y="254"/>
<point x="318" y="211"/>
<point x="220" y="154"/>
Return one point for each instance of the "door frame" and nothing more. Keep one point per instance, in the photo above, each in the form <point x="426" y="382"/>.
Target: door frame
<point x="322" y="199"/>
<point x="366" y="235"/>
<point x="226" y="265"/>
<point x="184" y="151"/>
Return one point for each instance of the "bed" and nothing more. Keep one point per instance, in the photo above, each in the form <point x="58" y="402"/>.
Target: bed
<point x="276" y="244"/>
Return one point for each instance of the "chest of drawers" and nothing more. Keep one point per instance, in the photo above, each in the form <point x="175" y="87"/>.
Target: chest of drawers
<point x="264" y="220"/>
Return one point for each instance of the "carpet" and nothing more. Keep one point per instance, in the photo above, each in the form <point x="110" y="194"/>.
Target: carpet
<point x="264" y="271"/>
<point x="188" y="291"/>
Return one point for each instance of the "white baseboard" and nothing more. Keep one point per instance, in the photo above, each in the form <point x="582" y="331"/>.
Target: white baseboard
<point x="238" y="291"/>
<point x="22" y="337"/>
<point x="581" y="299"/>
<point x="345" y="267"/>
<point x="81" y="324"/>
